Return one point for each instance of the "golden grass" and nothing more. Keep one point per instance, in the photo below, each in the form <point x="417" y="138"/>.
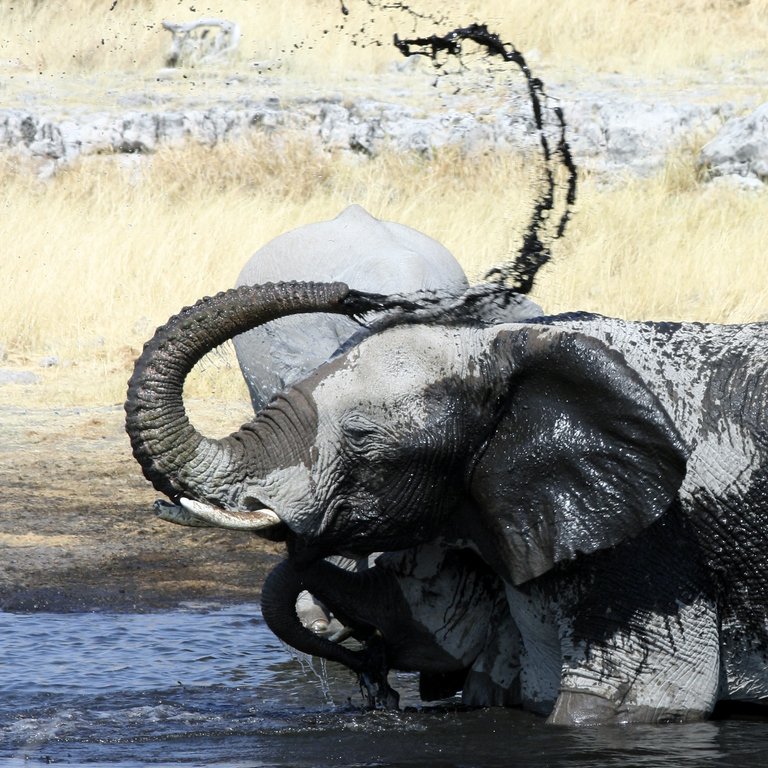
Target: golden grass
<point x="102" y="254"/>
<point x="312" y="36"/>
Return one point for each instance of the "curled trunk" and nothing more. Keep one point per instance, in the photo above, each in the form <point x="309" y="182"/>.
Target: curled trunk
<point x="347" y="594"/>
<point x="278" y="606"/>
<point x="174" y="456"/>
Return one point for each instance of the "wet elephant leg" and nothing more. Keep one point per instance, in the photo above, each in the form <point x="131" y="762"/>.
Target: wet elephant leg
<point x="640" y="638"/>
<point x="663" y="669"/>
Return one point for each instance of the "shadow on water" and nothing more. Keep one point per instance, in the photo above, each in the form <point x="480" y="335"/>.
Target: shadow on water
<point x="211" y="686"/>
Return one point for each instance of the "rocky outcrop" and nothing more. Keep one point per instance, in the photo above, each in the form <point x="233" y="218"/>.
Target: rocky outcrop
<point x="740" y="150"/>
<point x="58" y="140"/>
<point x="610" y="131"/>
<point x="621" y="134"/>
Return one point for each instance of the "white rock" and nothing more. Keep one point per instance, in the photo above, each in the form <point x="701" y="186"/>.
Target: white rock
<point x="12" y="376"/>
<point x="740" y="148"/>
<point x="609" y="130"/>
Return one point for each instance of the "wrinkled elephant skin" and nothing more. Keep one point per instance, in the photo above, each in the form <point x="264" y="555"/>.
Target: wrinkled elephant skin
<point x="611" y="474"/>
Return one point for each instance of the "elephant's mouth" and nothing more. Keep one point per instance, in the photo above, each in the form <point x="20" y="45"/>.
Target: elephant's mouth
<point x="200" y="514"/>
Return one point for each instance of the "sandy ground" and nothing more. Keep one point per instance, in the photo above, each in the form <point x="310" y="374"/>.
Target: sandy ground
<point x="77" y="531"/>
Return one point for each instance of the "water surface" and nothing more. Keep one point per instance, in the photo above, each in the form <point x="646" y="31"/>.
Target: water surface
<point x="211" y="686"/>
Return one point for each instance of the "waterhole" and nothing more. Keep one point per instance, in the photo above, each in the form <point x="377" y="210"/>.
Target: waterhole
<point x="209" y="685"/>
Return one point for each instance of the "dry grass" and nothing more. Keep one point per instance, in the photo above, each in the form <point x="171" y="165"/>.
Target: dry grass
<point x="100" y="257"/>
<point x="100" y="260"/>
<point x="103" y="253"/>
<point x="642" y="36"/>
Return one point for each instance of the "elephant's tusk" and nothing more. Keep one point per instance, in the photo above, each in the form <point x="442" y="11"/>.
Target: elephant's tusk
<point x="341" y="634"/>
<point x="173" y="513"/>
<point x="237" y="520"/>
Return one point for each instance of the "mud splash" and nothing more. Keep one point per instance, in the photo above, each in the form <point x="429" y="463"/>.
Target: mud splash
<point x="518" y="273"/>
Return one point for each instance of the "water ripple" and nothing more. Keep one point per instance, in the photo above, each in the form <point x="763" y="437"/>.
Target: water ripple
<point x="210" y="686"/>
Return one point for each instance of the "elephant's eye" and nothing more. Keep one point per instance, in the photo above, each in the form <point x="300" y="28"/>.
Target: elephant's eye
<point x="369" y="442"/>
<point x="358" y="432"/>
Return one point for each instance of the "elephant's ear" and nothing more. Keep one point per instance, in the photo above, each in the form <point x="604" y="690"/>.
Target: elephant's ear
<point x="582" y="455"/>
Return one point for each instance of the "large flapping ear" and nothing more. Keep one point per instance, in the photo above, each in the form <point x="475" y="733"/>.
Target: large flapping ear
<point x="582" y="456"/>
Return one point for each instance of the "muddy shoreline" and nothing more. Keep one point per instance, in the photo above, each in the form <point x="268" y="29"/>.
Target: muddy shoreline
<point x="77" y="532"/>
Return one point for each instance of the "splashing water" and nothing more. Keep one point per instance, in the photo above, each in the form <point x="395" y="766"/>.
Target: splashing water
<point x="313" y="667"/>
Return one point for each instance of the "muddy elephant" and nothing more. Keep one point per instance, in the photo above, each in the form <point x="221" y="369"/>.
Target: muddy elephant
<point x="365" y="253"/>
<point x="612" y="474"/>
<point x="433" y="609"/>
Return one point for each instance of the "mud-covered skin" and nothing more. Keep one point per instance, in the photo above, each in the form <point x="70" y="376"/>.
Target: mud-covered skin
<point x="629" y="634"/>
<point x="366" y="254"/>
<point x="432" y="609"/>
<point x="545" y="447"/>
<point x="713" y="379"/>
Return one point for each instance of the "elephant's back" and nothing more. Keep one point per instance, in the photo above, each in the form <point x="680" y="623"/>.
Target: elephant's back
<point x="354" y="248"/>
<point x="360" y="250"/>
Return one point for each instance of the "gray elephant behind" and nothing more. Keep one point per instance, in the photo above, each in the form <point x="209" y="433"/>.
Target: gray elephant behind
<point x="367" y="254"/>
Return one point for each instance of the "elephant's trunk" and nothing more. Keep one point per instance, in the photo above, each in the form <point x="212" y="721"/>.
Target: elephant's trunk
<point x="278" y="606"/>
<point x="174" y="456"/>
<point x="336" y="587"/>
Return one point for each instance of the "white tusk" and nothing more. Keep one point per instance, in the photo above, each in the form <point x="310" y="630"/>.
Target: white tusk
<point x="341" y="633"/>
<point x="237" y="520"/>
<point x="173" y="513"/>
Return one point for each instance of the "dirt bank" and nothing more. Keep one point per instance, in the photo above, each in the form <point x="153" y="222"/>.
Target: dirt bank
<point x="77" y="531"/>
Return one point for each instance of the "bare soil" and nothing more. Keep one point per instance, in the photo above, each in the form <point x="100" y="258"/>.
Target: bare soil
<point x="77" y="531"/>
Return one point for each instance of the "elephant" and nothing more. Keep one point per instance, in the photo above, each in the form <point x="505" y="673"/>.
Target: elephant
<point x="610" y="473"/>
<point x="432" y="609"/>
<point x="368" y="254"/>
<point x="356" y="248"/>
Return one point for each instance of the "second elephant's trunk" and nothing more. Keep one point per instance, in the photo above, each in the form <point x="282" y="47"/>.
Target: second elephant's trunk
<point x="278" y="606"/>
<point x="337" y="587"/>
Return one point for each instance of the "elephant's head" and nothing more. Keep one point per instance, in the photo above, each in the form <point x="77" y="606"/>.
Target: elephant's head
<point x="533" y="443"/>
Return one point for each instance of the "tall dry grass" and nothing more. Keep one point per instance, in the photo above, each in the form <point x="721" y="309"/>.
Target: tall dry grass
<point x="313" y="37"/>
<point x="102" y="254"/>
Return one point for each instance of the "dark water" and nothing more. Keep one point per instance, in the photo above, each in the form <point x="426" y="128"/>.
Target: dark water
<point x="207" y="686"/>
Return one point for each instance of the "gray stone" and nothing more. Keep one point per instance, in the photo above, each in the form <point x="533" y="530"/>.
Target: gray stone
<point x="202" y="41"/>
<point x="13" y="376"/>
<point x="620" y="133"/>
<point x="740" y="148"/>
<point x="613" y="128"/>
